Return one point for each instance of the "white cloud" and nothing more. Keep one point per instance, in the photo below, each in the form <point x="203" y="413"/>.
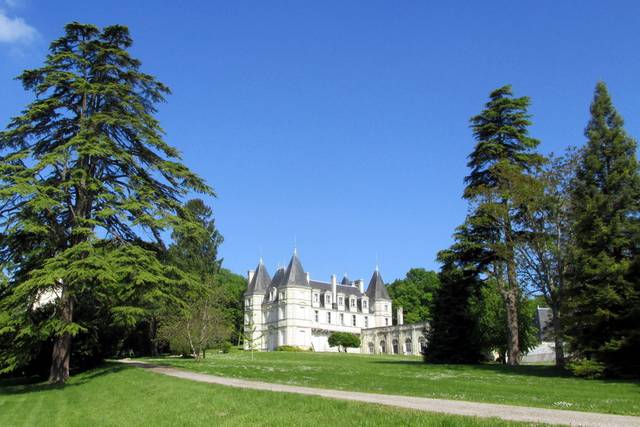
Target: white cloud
<point x="15" y="30"/>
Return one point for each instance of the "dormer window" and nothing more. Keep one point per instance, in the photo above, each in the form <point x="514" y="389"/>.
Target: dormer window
<point x="352" y="302"/>
<point x="327" y="299"/>
<point x="316" y="298"/>
<point x="364" y="304"/>
<point x="281" y="296"/>
<point x="340" y="301"/>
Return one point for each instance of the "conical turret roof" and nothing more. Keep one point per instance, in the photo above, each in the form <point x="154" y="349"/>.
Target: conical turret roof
<point x="278" y="278"/>
<point x="260" y="280"/>
<point x="345" y="281"/>
<point x="295" y="275"/>
<point x="377" y="289"/>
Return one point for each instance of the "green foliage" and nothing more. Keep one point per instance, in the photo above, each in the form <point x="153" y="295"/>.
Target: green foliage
<point x="86" y="161"/>
<point x="290" y="348"/>
<point x="344" y="340"/>
<point x="502" y="165"/>
<point x="414" y="294"/>
<point x="604" y="313"/>
<point x="586" y="368"/>
<point x="488" y="307"/>
<point x="195" y="248"/>
<point x="454" y="336"/>
<point x="233" y="287"/>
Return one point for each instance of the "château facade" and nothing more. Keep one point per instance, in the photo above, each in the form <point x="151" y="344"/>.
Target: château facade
<point x="292" y="309"/>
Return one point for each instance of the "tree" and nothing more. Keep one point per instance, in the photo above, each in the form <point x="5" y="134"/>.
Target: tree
<point x="233" y="287"/>
<point x="414" y="294"/>
<point x="547" y="222"/>
<point x="344" y="340"/>
<point x="488" y="307"/>
<point x="502" y="162"/>
<point x="603" y="319"/>
<point x="195" y="250"/>
<point x="454" y="335"/>
<point x="85" y="161"/>
<point x="203" y="323"/>
<point x="250" y="333"/>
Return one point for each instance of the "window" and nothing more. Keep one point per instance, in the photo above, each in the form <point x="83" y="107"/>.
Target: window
<point x="340" y="301"/>
<point x="386" y="321"/>
<point x="327" y="299"/>
<point x="281" y="296"/>
<point x="353" y="320"/>
<point x="316" y="298"/>
<point x="353" y="302"/>
<point x="341" y="319"/>
<point x="316" y="316"/>
<point x="364" y="304"/>
<point x="366" y="322"/>
<point x="246" y="302"/>
<point x="328" y="317"/>
<point x="386" y="308"/>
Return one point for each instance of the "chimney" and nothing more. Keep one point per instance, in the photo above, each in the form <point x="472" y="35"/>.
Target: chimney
<point x="308" y="277"/>
<point x="250" y="274"/>
<point x="360" y="284"/>
<point x="400" y="317"/>
<point x="334" y="284"/>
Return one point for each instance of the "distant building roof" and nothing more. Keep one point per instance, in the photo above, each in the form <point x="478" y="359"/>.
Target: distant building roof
<point x="376" y="288"/>
<point x="543" y="321"/>
<point x="295" y="275"/>
<point x="260" y="280"/>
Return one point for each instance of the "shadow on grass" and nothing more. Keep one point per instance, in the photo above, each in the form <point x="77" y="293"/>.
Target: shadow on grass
<point x="33" y="385"/>
<point x="528" y="370"/>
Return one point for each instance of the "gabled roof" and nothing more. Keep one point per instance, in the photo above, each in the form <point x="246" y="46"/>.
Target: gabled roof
<point x="345" y="281"/>
<point x="376" y="288"/>
<point x="260" y="280"/>
<point x="295" y="275"/>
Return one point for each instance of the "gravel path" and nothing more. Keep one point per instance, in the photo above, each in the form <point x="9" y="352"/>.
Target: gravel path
<point x="455" y="407"/>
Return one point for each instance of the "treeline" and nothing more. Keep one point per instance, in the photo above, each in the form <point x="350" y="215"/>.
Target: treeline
<point x="564" y="227"/>
<point x="88" y="189"/>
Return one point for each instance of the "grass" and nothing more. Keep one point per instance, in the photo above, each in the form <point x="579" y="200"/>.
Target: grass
<point x="116" y="395"/>
<point x="538" y="386"/>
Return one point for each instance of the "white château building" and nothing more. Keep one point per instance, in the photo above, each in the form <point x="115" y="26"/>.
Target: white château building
<point x="292" y="309"/>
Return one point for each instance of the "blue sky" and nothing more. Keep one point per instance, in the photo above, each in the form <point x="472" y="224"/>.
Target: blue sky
<point x="344" y="125"/>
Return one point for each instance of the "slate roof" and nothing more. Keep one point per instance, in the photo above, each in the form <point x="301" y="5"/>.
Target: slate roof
<point x="278" y="278"/>
<point x="376" y="288"/>
<point x="295" y="275"/>
<point x="324" y="286"/>
<point x="260" y="280"/>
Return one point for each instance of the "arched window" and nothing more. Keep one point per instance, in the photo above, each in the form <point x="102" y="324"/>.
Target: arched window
<point x="423" y="344"/>
<point x="395" y="346"/>
<point x="383" y="347"/>
<point x="371" y="347"/>
<point x="408" y="349"/>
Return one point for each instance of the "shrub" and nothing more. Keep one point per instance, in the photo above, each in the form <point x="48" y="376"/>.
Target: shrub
<point x="586" y="368"/>
<point x="292" y="348"/>
<point x="344" y="340"/>
<point x="226" y="347"/>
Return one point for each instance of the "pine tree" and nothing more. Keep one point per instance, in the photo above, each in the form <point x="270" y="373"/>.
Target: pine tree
<point x="85" y="162"/>
<point x="502" y="161"/>
<point x="454" y="335"/>
<point x="604" y="318"/>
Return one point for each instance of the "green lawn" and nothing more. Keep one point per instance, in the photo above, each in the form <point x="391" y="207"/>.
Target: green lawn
<point x="541" y="386"/>
<point x="117" y="395"/>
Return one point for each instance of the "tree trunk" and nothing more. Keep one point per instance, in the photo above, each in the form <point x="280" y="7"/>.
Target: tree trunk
<point x="62" y="343"/>
<point x="511" y="302"/>
<point x="557" y="337"/>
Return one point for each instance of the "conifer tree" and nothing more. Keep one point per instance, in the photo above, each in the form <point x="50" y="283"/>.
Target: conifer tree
<point x="83" y="163"/>
<point x="604" y="314"/>
<point x="501" y="162"/>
